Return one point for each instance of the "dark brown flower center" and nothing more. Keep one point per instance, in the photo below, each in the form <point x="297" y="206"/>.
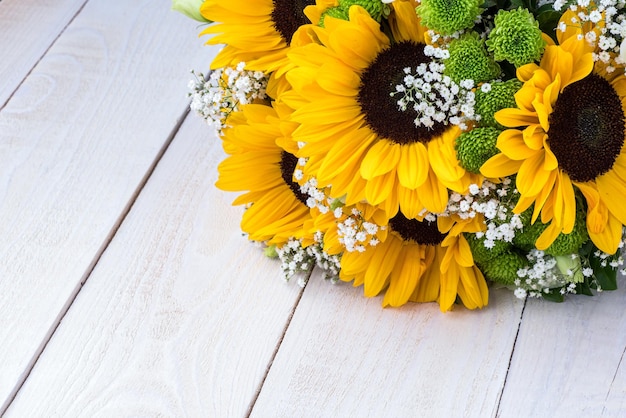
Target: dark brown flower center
<point x="380" y="109"/>
<point x="587" y="128"/>
<point x="420" y="232"/>
<point x="288" y="164"/>
<point x="288" y="16"/>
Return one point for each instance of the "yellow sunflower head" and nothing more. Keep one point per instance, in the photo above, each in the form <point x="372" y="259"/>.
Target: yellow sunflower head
<point x="262" y="163"/>
<point x="257" y="32"/>
<point x="569" y="131"/>
<point x="356" y="136"/>
<point x="421" y="260"/>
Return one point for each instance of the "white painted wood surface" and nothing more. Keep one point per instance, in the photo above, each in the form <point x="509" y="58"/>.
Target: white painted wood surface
<point x="76" y="140"/>
<point x="28" y="29"/>
<point x="179" y="316"/>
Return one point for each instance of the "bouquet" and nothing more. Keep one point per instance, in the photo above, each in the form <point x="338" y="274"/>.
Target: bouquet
<point x="425" y="150"/>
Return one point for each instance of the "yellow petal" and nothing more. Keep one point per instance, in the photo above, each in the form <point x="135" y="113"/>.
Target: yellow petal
<point x="531" y="177"/>
<point x="514" y="118"/>
<point x="499" y="166"/>
<point x="609" y="237"/>
<point x="612" y="191"/>
<point x="427" y="289"/>
<point x="378" y="189"/>
<point x="380" y="159"/>
<point x="413" y="166"/>
<point x="548" y="236"/>
<point x="511" y="143"/>
<point x="382" y="261"/>
<point x="407" y="273"/>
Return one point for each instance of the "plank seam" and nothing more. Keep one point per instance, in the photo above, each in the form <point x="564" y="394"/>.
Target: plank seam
<point x="98" y="256"/>
<point x="608" y="392"/>
<point x="278" y="345"/>
<point x="3" y="105"/>
<point x="508" y="368"/>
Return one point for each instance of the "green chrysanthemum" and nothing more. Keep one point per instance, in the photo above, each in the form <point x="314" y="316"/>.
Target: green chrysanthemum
<point x="475" y="147"/>
<point x="564" y="244"/>
<point x="448" y="16"/>
<point x="482" y="254"/>
<point x="499" y="96"/>
<point x="336" y="12"/>
<point x="503" y="269"/>
<point x="469" y="60"/>
<point x="373" y="7"/>
<point x="516" y="37"/>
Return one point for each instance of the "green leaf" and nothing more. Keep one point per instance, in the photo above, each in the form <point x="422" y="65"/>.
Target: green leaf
<point x="518" y="3"/>
<point x="553" y="296"/>
<point x="605" y="276"/>
<point x="584" y="289"/>
<point x="548" y="21"/>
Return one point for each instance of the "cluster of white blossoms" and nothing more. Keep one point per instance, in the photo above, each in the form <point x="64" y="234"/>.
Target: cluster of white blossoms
<point x="226" y="89"/>
<point x="435" y="97"/>
<point x="494" y="202"/>
<point x="355" y="233"/>
<point x="330" y="264"/>
<point x="542" y="275"/>
<point x="610" y="20"/>
<point x="298" y="259"/>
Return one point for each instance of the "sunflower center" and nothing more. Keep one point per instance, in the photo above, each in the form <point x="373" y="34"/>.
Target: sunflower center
<point x="288" y="164"/>
<point x="380" y="109"/>
<point x="288" y="16"/>
<point x="587" y="128"/>
<point x="420" y="232"/>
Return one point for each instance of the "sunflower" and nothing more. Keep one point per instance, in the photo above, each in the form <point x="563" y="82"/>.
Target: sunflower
<point x="420" y="261"/>
<point x="355" y="137"/>
<point x="257" y="32"/>
<point x="262" y="163"/>
<point x="569" y="131"/>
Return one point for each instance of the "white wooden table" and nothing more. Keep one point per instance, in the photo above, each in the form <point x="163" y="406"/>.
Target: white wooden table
<point x="127" y="290"/>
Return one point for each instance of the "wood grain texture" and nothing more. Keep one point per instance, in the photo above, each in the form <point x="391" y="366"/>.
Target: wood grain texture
<point x="182" y="314"/>
<point x="345" y="356"/>
<point x="27" y="29"/>
<point x="76" y="140"/>
<point x="568" y="360"/>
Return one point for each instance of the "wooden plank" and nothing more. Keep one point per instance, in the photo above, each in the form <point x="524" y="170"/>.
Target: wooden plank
<point x="181" y="315"/>
<point x="568" y="359"/>
<point x="344" y="355"/>
<point x="27" y="30"/>
<point x="76" y="141"/>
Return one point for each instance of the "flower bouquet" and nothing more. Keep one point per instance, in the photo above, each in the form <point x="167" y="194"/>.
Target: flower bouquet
<point x="425" y="149"/>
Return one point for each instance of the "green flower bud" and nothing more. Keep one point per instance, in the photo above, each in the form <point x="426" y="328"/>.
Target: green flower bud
<point x="469" y="59"/>
<point x="503" y="269"/>
<point x="568" y="264"/>
<point x="499" y="96"/>
<point x="448" y="16"/>
<point x="270" y="251"/>
<point x="516" y="37"/>
<point x="475" y="147"/>
<point x="190" y="8"/>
